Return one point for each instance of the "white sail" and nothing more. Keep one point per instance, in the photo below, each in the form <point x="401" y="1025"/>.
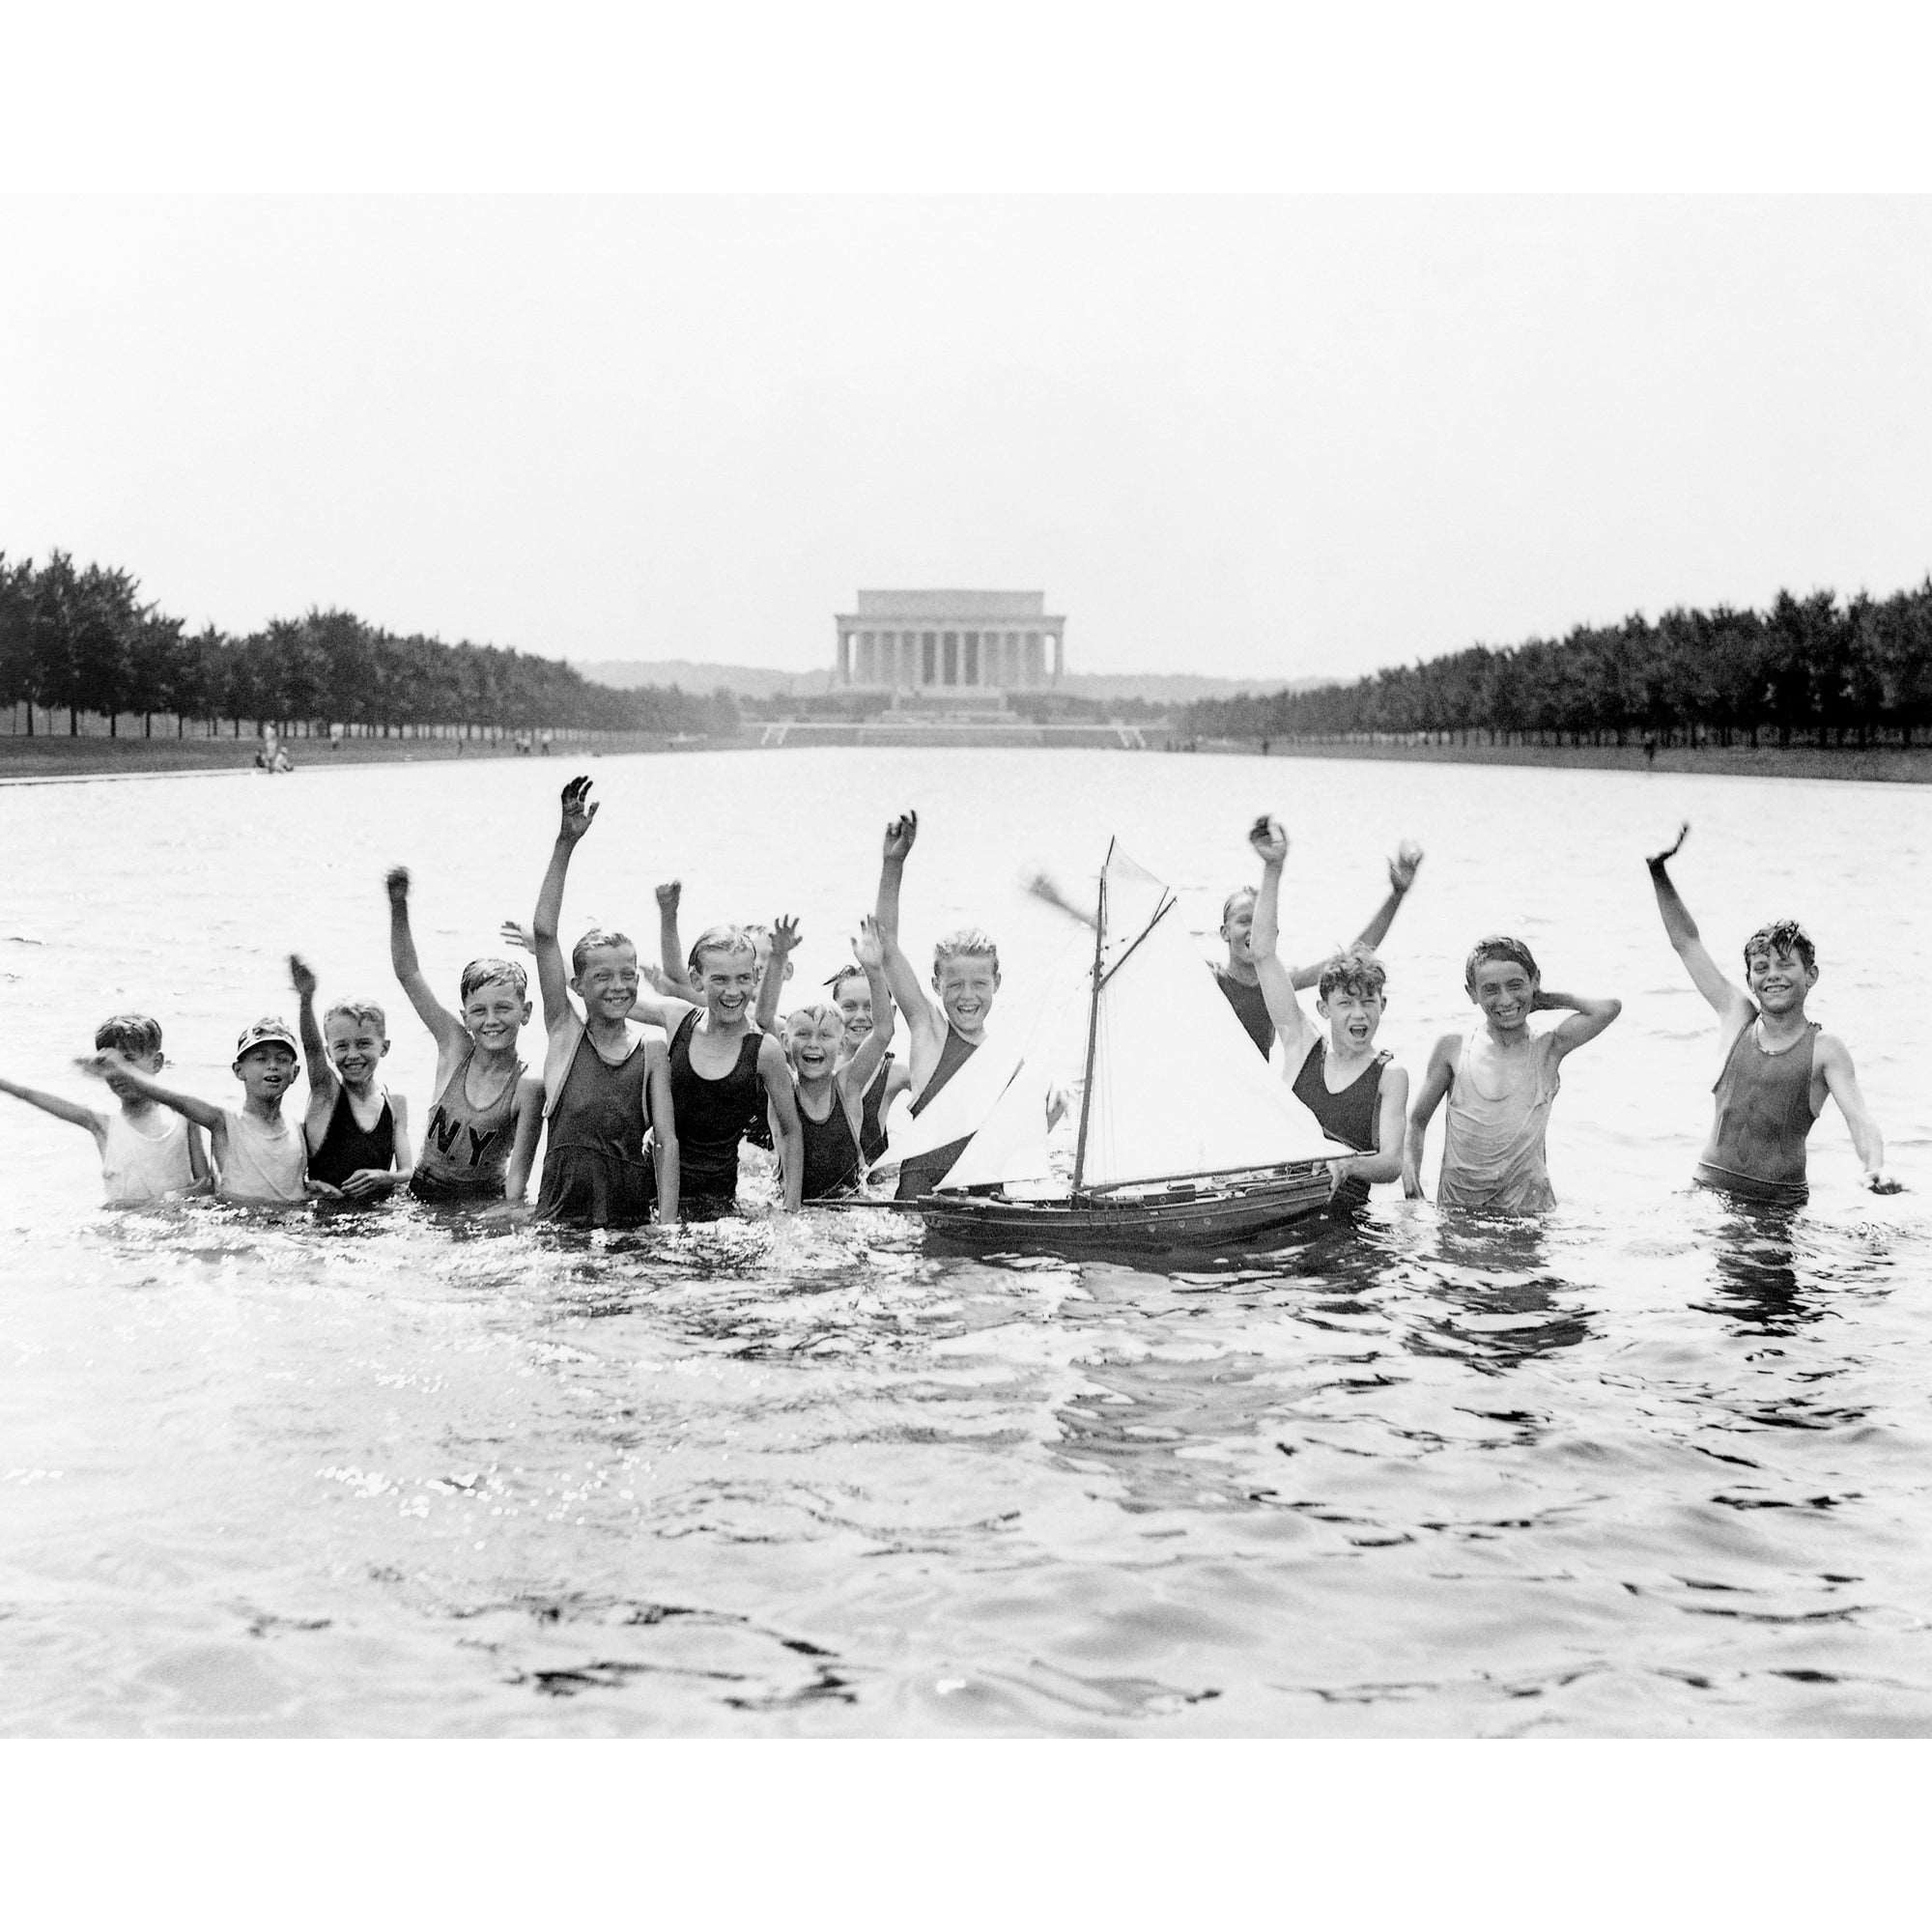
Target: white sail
<point x="1176" y="1086"/>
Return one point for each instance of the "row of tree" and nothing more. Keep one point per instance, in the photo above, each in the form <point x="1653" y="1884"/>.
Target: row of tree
<point x="83" y="641"/>
<point x="1809" y="670"/>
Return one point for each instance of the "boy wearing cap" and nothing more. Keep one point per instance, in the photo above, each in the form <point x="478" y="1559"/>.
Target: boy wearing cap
<point x="259" y="1157"/>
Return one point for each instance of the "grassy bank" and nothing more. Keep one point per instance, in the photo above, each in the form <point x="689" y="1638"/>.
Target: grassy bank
<point x="85" y="757"/>
<point x="1767" y="762"/>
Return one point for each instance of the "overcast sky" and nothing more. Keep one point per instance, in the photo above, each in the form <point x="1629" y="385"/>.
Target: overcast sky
<point x="1262" y="437"/>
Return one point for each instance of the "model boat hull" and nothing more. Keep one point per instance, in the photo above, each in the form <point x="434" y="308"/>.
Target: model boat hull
<point x="1205" y="1211"/>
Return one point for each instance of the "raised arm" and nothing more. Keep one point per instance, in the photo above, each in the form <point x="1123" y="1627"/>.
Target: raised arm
<point x="102" y="1065"/>
<point x="675" y="981"/>
<point x="785" y="936"/>
<point x="574" y="821"/>
<point x="664" y="1132"/>
<point x="1401" y="875"/>
<point x="1291" y="1023"/>
<point x="856" y="1075"/>
<point x="1841" y="1082"/>
<point x="922" y="1016"/>
<point x="1434" y="1088"/>
<point x="1588" y="1018"/>
<point x="322" y="1080"/>
<point x="443" y="1025"/>
<point x="786" y="1134"/>
<point x="1727" y="1000"/>
<point x="95" y="1122"/>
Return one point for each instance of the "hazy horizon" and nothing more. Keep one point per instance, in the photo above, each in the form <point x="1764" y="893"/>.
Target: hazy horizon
<point x="1269" y="439"/>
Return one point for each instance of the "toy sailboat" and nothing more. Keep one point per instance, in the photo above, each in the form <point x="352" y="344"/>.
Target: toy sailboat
<point x="1186" y="1139"/>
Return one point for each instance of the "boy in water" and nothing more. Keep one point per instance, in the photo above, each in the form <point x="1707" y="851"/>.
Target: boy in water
<point x="357" y="1132"/>
<point x="483" y="1089"/>
<point x="1357" y="1094"/>
<point x="606" y="1084"/>
<point x="1500" y="1081"/>
<point x="676" y="974"/>
<point x="859" y="1012"/>
<point x="831" y="1084"/>
<point x="1777" y="1065"/>
<point x="946" y="1033"/>
<point x="258" y="1155"/>
<point x="1239" y="978"/>
<point x="147" y="1152"/>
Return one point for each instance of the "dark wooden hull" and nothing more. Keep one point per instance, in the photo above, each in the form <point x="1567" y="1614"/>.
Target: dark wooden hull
<point x="1205" y="1212"/>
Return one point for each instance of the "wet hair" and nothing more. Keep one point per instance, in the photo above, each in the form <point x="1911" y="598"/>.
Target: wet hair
<point x="365" y="1010"/>
<point x="1235" y="898"/>
<point x="844" y="973"/>
<point x="596" y="940"/>
<point x="493" y="973"/>
<point x="1356" y="970"/>
<point x="816" y="1012"/>
<point x="755" y="931"/>
<point x="134" y="1035"/>
<point x="967" y="941"/>
<point x="1781" y="935"/>
<point x="718" y="939"/>
<point x="1499" y="946"/>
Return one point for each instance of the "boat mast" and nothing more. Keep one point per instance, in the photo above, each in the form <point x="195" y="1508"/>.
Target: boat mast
<point x="1093" y="1025"/>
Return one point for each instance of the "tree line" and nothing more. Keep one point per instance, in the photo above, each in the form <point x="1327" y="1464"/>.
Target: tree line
<point x="1809" y="670"/>
<point x="82" y="640"/>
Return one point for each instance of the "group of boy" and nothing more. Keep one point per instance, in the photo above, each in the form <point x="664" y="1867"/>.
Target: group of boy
<point x="654" y="1076"/>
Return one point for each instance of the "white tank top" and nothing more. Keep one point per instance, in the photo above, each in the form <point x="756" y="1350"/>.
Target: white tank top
<point x="264" y="1163"/>
<point x="137" y="1166"/>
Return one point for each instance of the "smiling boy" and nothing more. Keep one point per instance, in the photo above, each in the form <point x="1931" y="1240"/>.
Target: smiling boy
<point x="1778" y="1066"/>
<point x="357" y="1130"/>
<point x="1499" y="1080"/>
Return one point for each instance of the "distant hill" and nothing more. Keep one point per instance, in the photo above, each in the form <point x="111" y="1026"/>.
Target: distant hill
<point x="756" y="681"/>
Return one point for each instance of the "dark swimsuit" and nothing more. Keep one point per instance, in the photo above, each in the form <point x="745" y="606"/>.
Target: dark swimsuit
<point x="347" y="1146"/>
<point x="831" y="1160"/>
<point x="712" y="1116"/>
<point x="1251" y="1009"/>
<point x="594" y="1173"/>
<point x="1764" y="1114"/>
<point x="1351" y="1117"/>
<point x="923" y="1171"/>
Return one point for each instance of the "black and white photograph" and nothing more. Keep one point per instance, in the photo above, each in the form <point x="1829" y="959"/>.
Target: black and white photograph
<point x="960" y="965"/>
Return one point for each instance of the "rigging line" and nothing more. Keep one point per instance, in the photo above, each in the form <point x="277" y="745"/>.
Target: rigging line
<point x="1167" y="906"/>
<point x="1093" y="1025"/>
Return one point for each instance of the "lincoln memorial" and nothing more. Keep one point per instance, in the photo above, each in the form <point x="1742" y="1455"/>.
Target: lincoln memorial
<point x="925" y="641"/>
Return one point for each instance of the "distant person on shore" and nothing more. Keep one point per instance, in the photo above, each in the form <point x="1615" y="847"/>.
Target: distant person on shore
<point x="259" y="1157"/>
<point x="1500" y="1081"/>
<point x="830" y="1085"/>
<point x="606" y="1084"/>
<point x="483" y="1089"/>
<point x="1777" y="1065"/>
<point x="1239" y="981"/>
<point x="357" y="1132"/>
<point x="147" y="1152"/>
<point x="1358" y="1094"/>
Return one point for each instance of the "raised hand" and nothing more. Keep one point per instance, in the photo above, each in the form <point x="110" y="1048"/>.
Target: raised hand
<point x="512" y="932"/>
<point x="1270" y="841"/>
<point x="577" y="811"/>
<point x="101" y="1066"/>
<point x="670" y="894"/>
<point x="397" y="885"/>
<point x="869" y="949"/>
<point x="900" y="837"/>
<point x="1402" y="867"/>
<point x="784" y="935"/>
<point x="1656" y="859"/>
<point x="300" y="977"/>
<point x="1883" y="1183"/>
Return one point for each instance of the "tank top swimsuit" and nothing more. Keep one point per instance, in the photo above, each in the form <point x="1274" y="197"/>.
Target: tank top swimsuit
<point x="594" y="1171"/>
<point x="1493" y="1154"/>
<point x="347" y="1147"/>
<point x="923" y="1171"/>
<point x="872" y="1129"/>
<point x="1351" y="1117"/>
<point x="1764" y="1114"/>
<point x="831" y="1158"/>
<point x="264" y="1163"/>
<point x="466" y="1150"/>
<point x="136" y="1167"/>
<point x="711" y="1117"/>
<point x="1250" y="1004"/>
